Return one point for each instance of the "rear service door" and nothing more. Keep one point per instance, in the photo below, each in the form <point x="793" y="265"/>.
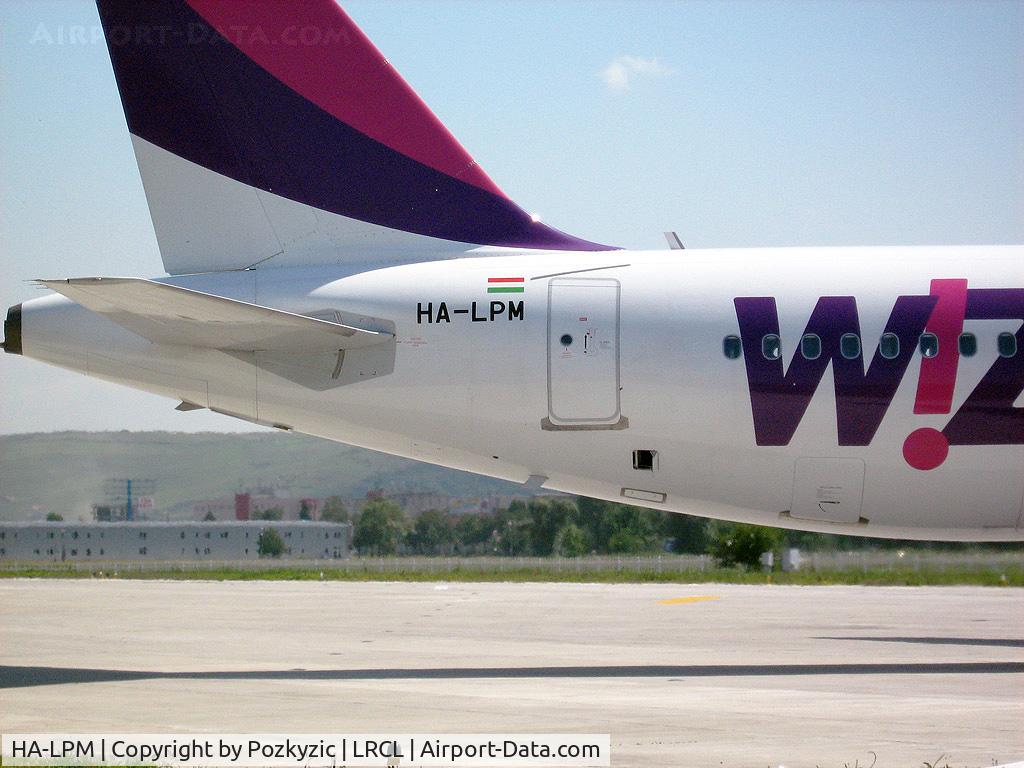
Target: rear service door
<point x="583" y="354"/>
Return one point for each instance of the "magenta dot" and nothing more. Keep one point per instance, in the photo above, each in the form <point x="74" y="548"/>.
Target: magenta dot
<point x="925" y="448"/>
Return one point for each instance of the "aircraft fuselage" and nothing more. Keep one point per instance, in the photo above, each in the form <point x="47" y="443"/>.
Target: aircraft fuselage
<point x="751" y="385"/>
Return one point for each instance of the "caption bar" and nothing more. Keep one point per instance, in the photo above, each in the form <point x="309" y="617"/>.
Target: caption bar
<point x="520" y="750"/>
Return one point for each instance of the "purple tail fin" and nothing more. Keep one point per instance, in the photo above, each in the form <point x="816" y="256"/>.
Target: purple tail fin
<point x="267" y="129"/>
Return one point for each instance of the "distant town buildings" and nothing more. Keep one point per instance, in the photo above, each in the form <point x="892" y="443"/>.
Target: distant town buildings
<point x="120" y="541"/>
<point x="253" y="505"/>
<point x="136" y="503"/>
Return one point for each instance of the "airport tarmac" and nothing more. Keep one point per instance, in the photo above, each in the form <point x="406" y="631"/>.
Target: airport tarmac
<point x="745" y="676"/>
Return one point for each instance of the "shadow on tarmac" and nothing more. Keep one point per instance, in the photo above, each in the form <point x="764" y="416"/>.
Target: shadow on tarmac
<point x="994" y="642"/>
<point x="24" y="677"/>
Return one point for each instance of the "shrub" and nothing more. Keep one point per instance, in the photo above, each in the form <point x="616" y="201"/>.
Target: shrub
<point x="741" y="544"/>
<point x="270" y="543"/>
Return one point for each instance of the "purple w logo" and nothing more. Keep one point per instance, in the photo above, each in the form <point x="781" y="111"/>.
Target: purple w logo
<point x="779" y="398"/>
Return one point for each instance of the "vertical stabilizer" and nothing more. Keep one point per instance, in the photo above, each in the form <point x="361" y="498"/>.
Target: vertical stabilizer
<point x="273" y="132"/>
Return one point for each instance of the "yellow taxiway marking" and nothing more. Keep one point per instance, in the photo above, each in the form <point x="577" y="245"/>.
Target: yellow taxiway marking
<point x="690" y="599"/>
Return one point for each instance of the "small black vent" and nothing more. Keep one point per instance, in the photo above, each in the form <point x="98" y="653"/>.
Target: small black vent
<point x="644" y="459"/>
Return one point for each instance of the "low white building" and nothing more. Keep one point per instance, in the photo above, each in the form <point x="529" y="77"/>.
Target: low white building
<point x="59" y="541"/>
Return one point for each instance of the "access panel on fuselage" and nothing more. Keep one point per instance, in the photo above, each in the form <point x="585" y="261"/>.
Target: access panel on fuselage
<point x="583" y="353"/>
<point x="828" y="489"/>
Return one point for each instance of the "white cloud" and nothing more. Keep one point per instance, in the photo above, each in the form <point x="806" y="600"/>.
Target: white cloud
<point x="622" y="69"/>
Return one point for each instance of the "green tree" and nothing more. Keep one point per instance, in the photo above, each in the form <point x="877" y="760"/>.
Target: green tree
<point x="571" y="541"/>
<point x="474" y="532"/>
<point x="272" y="513"/>
<point x="380" y="528"/>
<point x="433" y="533"/>
<point x="547" y="518"/>
<point x="270" y="543"/>
<point x="816" y="541"/>
<point x="620" y="528"/>
<point x="627" y="542"/>
<point x="305" y="511"/>
<point x="742" y="544"/>
<point x="596" y="520"/>
<point x="209" y="517"/>
<point x="334" y="511"/>
<point x="688" y="533"/>
<point x="514" y="528"/>
<point x="54" y="517"/>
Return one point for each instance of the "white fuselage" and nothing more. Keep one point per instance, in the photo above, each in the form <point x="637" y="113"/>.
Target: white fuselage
<point x="501" y="389"/>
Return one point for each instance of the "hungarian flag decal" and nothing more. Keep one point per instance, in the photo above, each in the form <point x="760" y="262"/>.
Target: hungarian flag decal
<point x="505" y="284"/>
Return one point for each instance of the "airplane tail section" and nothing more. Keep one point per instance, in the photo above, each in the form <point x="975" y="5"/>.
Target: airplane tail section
<point x="274" y="132"/>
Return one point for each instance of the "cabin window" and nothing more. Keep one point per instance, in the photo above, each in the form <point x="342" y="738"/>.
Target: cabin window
<point x="771" y="347"/>
<point x="732" y="347"/>
<point x="889" y="346"/>
<point x="810" y="346"/>
<point x="849" y="346"/>
<point x="1007" y="345"/>
<point x="929" y="345"/>
<point x="645" y="459"/>
<point x="967" y="344"/>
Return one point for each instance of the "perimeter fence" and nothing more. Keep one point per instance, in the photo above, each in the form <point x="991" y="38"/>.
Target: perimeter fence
<point x="827" y="561"/>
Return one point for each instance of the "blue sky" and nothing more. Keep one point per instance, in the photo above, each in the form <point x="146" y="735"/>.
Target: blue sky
<point x="737" y="124"/>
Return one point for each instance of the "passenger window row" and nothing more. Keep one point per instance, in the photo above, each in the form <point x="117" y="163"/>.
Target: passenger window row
<point x="850" y="346"/>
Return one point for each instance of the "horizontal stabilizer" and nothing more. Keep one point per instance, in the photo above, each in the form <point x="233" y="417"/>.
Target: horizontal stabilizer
<point x="168" y="314"/>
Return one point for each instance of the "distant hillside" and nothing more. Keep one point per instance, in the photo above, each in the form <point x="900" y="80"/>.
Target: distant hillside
<point x="64" y="471"/>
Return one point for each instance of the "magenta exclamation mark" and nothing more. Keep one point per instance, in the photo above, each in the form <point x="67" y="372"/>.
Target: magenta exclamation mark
<point x="927" y="448"/>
